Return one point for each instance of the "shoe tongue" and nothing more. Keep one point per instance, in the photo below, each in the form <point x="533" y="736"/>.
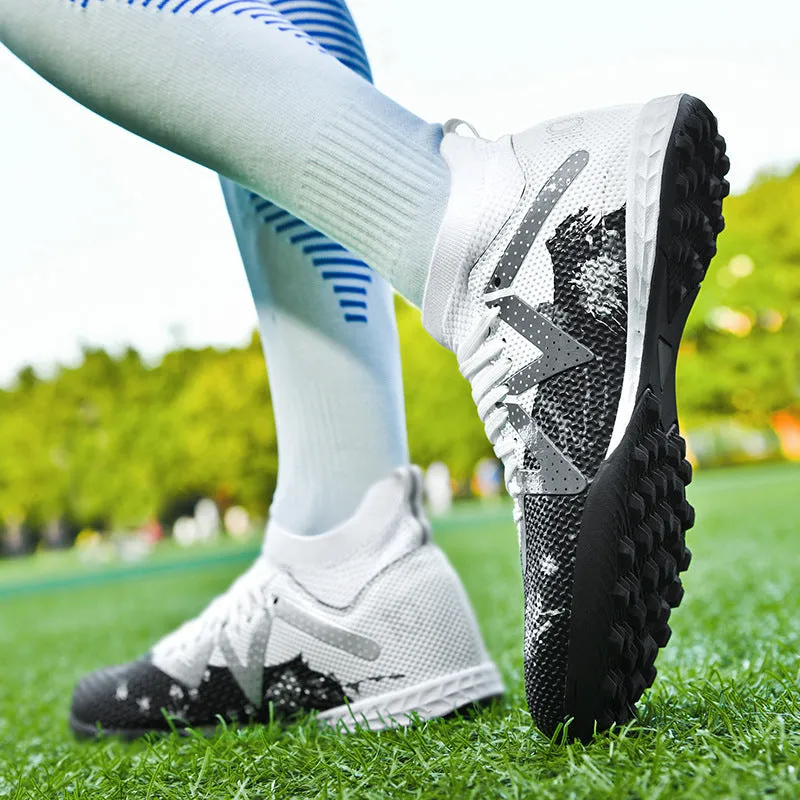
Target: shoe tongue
<point x="334" y="566"/>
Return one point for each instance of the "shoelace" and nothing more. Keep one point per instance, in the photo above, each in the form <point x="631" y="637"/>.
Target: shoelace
<point x="235" y="606"/>
<point x="482" y="363"/>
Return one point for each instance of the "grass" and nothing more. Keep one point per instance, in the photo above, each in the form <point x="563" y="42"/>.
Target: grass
<point x="722" y="721"/>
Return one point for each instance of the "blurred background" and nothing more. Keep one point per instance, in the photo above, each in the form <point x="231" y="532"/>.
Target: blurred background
<point x="135" y="410"/>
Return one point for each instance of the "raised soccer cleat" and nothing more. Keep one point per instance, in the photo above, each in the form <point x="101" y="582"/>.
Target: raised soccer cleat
<point x="569" y="258"/>
<point x="367" y="624"/>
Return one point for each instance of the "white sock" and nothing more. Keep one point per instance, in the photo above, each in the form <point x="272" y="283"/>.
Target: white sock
<point x="329" y="335"/>
<point x="330" y="339"/>
<point x="233" y="85"/>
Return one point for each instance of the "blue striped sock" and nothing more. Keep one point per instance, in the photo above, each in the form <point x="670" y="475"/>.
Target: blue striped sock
<point x="239" y="87"/>
<point x="329" y="335"/>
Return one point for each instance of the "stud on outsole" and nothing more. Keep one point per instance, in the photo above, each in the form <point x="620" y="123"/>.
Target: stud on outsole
<point x="700" y="186"/>
<point x="646" y="477"/>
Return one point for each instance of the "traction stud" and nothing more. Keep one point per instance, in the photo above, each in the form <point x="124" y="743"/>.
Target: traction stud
<point x="652" y="514"/>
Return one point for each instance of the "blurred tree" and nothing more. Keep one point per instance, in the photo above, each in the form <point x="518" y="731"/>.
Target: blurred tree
<point x="443" y="424"/>
<point x="741" y="352"/>
<point x="117" y="440"/>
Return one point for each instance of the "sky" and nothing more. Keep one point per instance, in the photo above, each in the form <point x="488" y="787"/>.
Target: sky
<point x="107" y="240"/>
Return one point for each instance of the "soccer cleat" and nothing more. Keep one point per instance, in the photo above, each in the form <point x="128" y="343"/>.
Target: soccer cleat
<point x="569" y="258"/>
<point x="367" y="624"/>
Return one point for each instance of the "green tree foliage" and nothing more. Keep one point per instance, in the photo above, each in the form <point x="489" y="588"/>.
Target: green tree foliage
<point x="442" y="422"/>
<point x="741" y="352"/>
<point x="115" y="441"/>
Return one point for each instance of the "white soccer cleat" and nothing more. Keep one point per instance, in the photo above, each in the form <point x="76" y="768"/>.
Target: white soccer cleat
<point x="367" y="624"/>
<point x="567" y="263"/>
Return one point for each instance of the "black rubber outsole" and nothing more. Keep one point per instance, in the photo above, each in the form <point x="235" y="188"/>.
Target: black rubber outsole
<point x="631" y="548"/>
<point x="88" y="730"/>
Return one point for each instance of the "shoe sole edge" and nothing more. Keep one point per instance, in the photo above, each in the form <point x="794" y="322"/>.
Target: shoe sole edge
<point x="631" y="546"/>
<point x="438" y="697"/>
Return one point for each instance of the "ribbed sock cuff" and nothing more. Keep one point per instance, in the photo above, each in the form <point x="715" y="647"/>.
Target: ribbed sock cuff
<point x="381" y="193"/>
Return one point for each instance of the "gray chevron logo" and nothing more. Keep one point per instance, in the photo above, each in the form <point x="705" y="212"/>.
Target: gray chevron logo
<point x="544" y="202"/>
<point x="249" y="674"/>
<point x="557" y="475"/>
<point x="558" y="350"/>
<point x="248" y="671"/>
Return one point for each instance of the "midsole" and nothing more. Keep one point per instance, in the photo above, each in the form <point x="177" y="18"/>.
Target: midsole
<point x="434" y="698"/>
<point x="651" y="139"/>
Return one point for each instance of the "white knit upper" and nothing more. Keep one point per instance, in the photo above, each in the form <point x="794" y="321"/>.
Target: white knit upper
<point x="493" y="186"/>
<point x="375" y="583"/>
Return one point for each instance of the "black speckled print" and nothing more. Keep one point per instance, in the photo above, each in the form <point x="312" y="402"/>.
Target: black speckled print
<point x="129" y="699"/>
<point x="576" y="409"/>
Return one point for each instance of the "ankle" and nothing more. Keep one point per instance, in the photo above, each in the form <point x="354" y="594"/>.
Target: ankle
<point x="334" y="566"/>
<point x="486" y="184"/>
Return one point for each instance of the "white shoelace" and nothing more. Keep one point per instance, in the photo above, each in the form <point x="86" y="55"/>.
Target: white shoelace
<point x="482" y="363"/>
<point x="237" y="606"/>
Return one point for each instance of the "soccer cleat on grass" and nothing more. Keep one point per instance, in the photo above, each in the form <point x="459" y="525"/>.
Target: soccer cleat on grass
<point x="365" y="624"/>
<point x="568" y="261"/>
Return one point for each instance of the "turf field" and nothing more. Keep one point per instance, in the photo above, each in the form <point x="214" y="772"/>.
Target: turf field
<point x="722" y="721"/>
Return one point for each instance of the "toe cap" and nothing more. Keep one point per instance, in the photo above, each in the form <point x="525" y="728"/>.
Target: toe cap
<point x="127" y="700"/>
